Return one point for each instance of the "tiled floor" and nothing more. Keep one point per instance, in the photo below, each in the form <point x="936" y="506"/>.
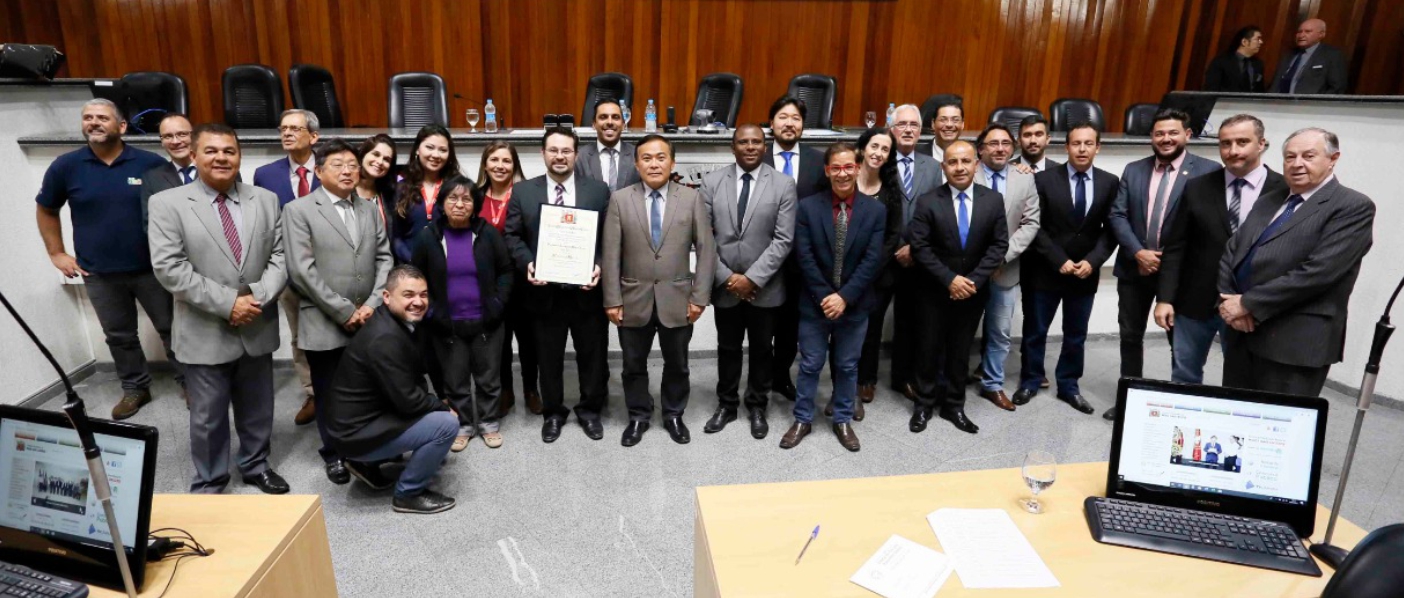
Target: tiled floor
<point x="583" y="518"/>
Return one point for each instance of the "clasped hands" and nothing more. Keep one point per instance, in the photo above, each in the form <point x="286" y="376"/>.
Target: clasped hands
<point x="741" y="287"/>
<point x="962" y="288"/>
<point x="1234" y="314"/>
<point x="1081" y="269"/>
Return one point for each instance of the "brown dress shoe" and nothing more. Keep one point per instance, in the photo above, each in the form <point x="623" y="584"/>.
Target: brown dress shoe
<point x="307" y="414"/>
<point x="846" y="437"/>
<point x="829" y="409"/>
<point x="866" y="391"/>
<point x="131" y="403"/>
<point x="999" y="399"/>
<point x="533" y="401"/>
<point x="505" y="402"/>
<point x="796" y="433"/>
<point x="909" y="391"/>
<point x="858" y="411"/>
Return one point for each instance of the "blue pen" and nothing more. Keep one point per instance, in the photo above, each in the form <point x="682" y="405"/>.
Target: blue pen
<point x="812" y="535"/>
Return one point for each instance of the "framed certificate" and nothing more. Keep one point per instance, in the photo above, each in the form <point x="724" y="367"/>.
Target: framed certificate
<point x="565" y="245"/>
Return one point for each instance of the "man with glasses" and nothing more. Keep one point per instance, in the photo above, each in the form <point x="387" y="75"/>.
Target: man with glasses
<point x="608" y="159"/>
<point x="180" y="170"/>
<point x="918" y="174"/>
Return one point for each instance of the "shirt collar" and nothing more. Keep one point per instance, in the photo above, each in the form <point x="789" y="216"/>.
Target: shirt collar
<point x="212" y="195"/>
<point x="1306" y="196"/>
<point x="124" y="155"/>
<point x="1176" y="163"/>
<point x="754" y="172"/>
<point x="911" y="155"/>
<point x="569" y="183"/>
<point x="989" y="173"/>
<point x="311" y="164"/>
<point x="1255" y="177"/>
<point x="599" y="145"/>
<point x="776" y="150"/>
<point x="1072" y="174"/>
<point x="969" y="192"/>
<point x="847" y="203"/>
<point x="662" y="191"/>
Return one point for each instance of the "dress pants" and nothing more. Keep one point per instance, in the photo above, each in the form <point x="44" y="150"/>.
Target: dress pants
<point x="872" y="341"/>
<point x="636" y="343"/>
<point x="429" y="439"/>
<point x="1135" y="300"/>
<point x="734" y="324"/>
<point x="1243" y="369"/>
<point x="288" y="304"/>
<point x="907" y="301"/>
<point x="996" y="340"/>
<point x="819" y="336"/>
<point x="787" y="319"/>
<point x="947" y="330"/>
<point x="1039" y="309"/>
<point x="322" y="365"/>
<point x="114" y="298"/>
<point x="472" y="383"/>
<point x="589" y="333"/>
<point x="1190" y="348"/>
<point x="517" y="322"/>
<point x="247" y="385"/>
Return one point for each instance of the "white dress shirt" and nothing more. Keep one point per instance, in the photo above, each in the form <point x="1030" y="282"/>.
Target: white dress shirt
<point x="1306" y="196"/>
<point x="569" y="185"/>
<point x="780" y="160"/>
<point x="293" y="179"/>
<point x="755" y="176"/>
<point x="1248" y="196"/>
<point x="605" y="158"/>
<point x="648" y="203"/>
<point x="347" y="210"/>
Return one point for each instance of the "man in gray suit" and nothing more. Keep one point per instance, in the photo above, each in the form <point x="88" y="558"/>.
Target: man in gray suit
<point x="752" y="213"/>
<point x="919" y="173"/>
<point x="650" y="232"/>
<point x="216" y="245"/>
<point x="1312" y="67"/>
<point x="608" y="160"/>
<point x="337" y="259"/>
<point x="1021" y="210"/>
<point x="1286" y="276"/>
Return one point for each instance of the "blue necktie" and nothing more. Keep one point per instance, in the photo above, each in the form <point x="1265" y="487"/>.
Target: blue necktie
<point x="995" y="182"/>
<point x="789" y="169"/>
<point x="1243" y="275"/>
<point x="655" y="218"/>
<point x="907" y="178"/>
<point x="188" y="174"/>
<point x="1285" y="85"/>
<point x="1080" y="200"/>
<point x="963" y="219"/>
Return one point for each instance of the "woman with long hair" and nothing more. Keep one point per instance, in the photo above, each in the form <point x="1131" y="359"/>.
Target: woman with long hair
<point x="377" y="184"/>
<point x="877" y="178"/>
<point x="431" y="161"/>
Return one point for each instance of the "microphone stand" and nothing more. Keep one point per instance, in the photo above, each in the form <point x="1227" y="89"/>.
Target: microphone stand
<point x="1330" y="554"/>
<point x="78" y="417"/>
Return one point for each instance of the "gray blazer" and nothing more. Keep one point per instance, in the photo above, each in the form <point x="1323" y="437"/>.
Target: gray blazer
<point x="331" y="277"/>
<point x="758" y="247"/>
<point x="1128" y="212"/>
<point x="926" y="177"/>
<point x="192" y="260"/>
<point x="1022" y="210"/>
<point x="639" y="278"/>
<point x="587" y="163"/>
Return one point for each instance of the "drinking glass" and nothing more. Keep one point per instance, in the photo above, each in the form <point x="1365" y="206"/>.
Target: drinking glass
<point x="870" y="118"/>
<point x="1040" y="470"/>
<point x="472" y="120"/>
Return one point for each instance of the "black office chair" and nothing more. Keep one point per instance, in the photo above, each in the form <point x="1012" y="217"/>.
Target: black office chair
<point x="147" y="96"/>
<point x="614" y="86"/>
<point x="928" y="108"/>
<point x="1011" y="116"/>
<point x="1374" y="569"/>
<point x="720" y="93"/>
<point x="1140" y="118"/>
<point x="314" y="89"/>
<point x="818" y="93"/>
<point x="418" y="99"/>
<point x="1063" y="113"/>
<point x="253" y="97"/>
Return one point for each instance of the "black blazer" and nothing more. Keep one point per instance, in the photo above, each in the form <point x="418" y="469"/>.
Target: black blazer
<point x="159" y="179"/>
<point x="935" y="237"/>
<point x="494" y="275"/>
<point x="1324" y="73"/>
<point x="810" y="179"/>
<point x="1194" y="242"/>
<point x="1059" y="240"/>
<point x="862" y="252"/>
<point x="1225" y="73"/>
<point x="889" y="270"/>
<point x="523" y="226"/>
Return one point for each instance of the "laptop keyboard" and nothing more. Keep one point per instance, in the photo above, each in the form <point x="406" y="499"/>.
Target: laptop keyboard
<point x="18" y="580"/>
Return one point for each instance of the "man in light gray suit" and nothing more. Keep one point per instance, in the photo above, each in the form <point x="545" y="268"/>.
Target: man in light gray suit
<point x="216" y="245"/>
<point x="752" y="212"/>
<point x="650" y="232"/>
<point x="996" y="144"/>
<point x="1287" y="274"/>
<point x="337" y="259"/>
<point x="919" y="173"/>
<point x="608" y="160"/>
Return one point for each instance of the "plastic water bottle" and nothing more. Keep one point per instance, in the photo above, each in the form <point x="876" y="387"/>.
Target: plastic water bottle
<point x="624" y="112"/>
<point x="490" y="114"/>
<point x="891" y="113"/>
<point x="650" y="118"/>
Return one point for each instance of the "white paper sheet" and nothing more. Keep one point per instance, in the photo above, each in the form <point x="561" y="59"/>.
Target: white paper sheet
<point x="988" y="551"/>
<point x="904" y="569"/>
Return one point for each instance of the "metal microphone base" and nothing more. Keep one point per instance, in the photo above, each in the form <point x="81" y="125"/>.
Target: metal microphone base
<point x="1330" y="554"/>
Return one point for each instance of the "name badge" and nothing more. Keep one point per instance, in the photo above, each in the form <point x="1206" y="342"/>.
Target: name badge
<point x="131" y="180"/>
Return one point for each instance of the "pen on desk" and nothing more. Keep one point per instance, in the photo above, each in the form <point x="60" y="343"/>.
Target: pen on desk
<point x="812" y="535"/>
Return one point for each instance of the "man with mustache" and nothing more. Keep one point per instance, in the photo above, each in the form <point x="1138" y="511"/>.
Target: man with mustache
<point x="918" y="174"/>
<point x="609" y="159"/>
<point x="1033" y="140"/>
<point x="101" y="185"/>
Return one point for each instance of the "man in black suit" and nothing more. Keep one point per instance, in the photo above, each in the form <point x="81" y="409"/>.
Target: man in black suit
<point x="559" y="309"/>
<point x="1239" y="68"/>
<point x="175" y="131"/>
<point x="1286" y="276"/>
<point x="959" y="235"/>
<point x="1033" y="140"/>
<point x="1212" y="209"/>
<point x="1072" y="244"/>
<point x="1312" y="67"/>
<point x="608" y="159"/>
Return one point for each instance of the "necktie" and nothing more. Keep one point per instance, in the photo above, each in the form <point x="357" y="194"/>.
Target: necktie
<point x="302" y="187"/>
<point x="907" y="181"/>
<point x="613" y="173"/>
<point x="348" y="217"/>
<point x="963" y="219"/>
<point x="231" y="232"/>
<point x="789" y="169"/>
<point x="1153" y="228"/>
<point x="998" y="176"/>
<point x="1080" y="200"/>
<point x="560" y="194"/>
<point x="1236" y="205"/>
<point x="744" y="198"/>
<point x="187" y="174"/>
<point x="655" y="218"/>
<point x="1243" y="275"/>
<point x="840" y="237"/>
<point x="1285" y="85"/>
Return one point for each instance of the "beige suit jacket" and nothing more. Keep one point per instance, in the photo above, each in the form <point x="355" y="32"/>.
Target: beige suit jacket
<point x="640" y="278"/>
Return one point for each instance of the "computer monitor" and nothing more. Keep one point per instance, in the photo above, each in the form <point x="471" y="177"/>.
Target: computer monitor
<point x="50" y="518"/>
<point x="1237" y="452"/>
<point x="1198" y="106"/>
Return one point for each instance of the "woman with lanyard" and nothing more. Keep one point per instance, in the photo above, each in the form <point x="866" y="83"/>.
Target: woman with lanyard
<point x="431" y="161"/>
<point x="500" y="169"/>
<point x="377" y="184"/>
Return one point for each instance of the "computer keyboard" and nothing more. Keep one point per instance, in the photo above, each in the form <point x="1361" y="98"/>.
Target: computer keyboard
<point x="1226" y="538"/>
<point x="21" y="581"/>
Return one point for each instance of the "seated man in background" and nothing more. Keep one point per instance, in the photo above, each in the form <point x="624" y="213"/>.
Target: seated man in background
<point x="380" y="406"/>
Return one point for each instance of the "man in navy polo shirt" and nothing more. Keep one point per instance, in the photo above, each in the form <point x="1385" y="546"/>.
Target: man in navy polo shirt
<point x="101" y="184"/>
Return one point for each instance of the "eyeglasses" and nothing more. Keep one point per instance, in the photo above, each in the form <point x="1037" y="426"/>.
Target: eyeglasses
<point x="843" y="168"/>
<point x="291" y="129"/>
<point x="564" y="153"/>
<point x="999" y="143"/>
<point x="458" y="199"/>
<point x="173" y="136"/>
<point x="906" y="126"/>
<point x="346" y="166"/>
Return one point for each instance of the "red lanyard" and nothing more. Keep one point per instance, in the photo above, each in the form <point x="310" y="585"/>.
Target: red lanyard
<point x="429" y="198"/>
<point x="495" y="216"/>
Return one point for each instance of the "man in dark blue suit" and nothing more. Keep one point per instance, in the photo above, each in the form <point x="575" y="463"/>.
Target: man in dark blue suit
<point x="838" y="240"/>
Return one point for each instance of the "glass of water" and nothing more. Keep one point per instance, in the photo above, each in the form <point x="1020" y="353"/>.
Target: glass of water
<point x="1040" y="470"/>
<point x="472" y="120"/>
<point x="870" y="118"/>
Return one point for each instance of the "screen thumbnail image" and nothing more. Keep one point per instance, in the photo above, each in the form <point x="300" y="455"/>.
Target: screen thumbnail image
<point x="60" y="488"/>
<point x="1205" y="448"/>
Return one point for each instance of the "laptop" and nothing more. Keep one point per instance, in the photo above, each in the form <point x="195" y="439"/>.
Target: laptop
<point x="50" y="519"/>
<point x="1213" y="472"/>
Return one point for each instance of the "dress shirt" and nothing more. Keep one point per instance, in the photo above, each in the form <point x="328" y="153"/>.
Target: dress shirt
<point x="347" y="210"/>
<point x="569" y="190"/>
<point x="937" y="152"/>
<point x="648" y="203"/>
<point x="604" y="160"/>
<point x="754" y="177"/>
<point x="989" y="177"/>
<point x="908" y="203"/>
<point x="180" y="171"/>
<point x="1301" y="68"/>
<point x="235" y="210"/>
<point x="293" y="179"/>
<point x="1156" y="175"/>
<point x="845" y="203"/>
<point x="1039" y="166"/>
<point x="1306" y="196"/>
<point x="1072" y="186"/>
<point x="969" y="196"/>
<point x="780" y="160"/>
<point x="1250" y="192"/>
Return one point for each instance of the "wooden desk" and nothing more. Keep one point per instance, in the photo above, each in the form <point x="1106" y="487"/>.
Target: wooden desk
<point x="748" y="536"/>
<point x="263" y="545"/>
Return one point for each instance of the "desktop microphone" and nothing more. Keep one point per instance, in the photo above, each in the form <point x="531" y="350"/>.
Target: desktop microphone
<point x="670" y="126"/>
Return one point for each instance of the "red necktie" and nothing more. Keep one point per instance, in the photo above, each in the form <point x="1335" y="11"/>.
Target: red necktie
<point x="231" y="233"/>
<point x="302" y="187"/>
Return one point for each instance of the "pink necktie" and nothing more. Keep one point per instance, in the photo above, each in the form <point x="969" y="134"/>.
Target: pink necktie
<point x="231" y="233"/>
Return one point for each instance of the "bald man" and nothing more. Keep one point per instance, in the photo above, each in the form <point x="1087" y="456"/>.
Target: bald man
<point x="1312" y="67"/>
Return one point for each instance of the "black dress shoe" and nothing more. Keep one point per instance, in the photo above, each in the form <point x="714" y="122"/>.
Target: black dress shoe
<point x="677" y="430"/>
<point x="633" y="432"/>
<point x="551" y="429"/>
<point x="919" y="419"/>
<point x="1109" y="415"/>
<point x="269" y="482"/>
<point x="1077" y="403"/>
<point x="369" y="474"/>
<point x="720" y="419"/>
<point x="425" y="503"/>
<point x="759" y="427"/>
<point x="1023" y="396"/>
<point x="962" y="423"/>
<point x="858" y="411"/>
<point x="336" y="472"/>
<point x="785" y="388"/>
<point x="593" y="428"/>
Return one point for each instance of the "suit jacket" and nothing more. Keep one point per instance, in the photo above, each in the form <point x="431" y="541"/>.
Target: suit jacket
<point x="159" y="179"/>
<point x="936" y="243"/>
<point x="523" y="229"/>
<point x="1021" y="212"/>
<point x="1059" y="240"/>
<point x="641" y="278"/>
<point x="332" y="278"/>
<point x="1128" y="213"/>
<point x="276" y="176"/>
<point x="1194" y="243"/>
<point x="1225" y="73"/>
<point x="757" y="246"/>
<point x="192" y="260"/>
<point x="1302" y="275"/>
<point x="862" y="252"/>
<point x="927" y="176"/>
<point x="1324" y="73"/>
<point x="587" y="164"/>
<point x="1049" y="162"/>
<point x="810" y="179"/>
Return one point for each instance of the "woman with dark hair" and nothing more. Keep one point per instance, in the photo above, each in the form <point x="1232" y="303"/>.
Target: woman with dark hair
<point x="431" y="162"/>
<point x="377" y="184"/>
<point x="877" y="178"/>
<point x="469" y="271"/>
<point x="1238" y="68"/>
<point x="500" y="169"/>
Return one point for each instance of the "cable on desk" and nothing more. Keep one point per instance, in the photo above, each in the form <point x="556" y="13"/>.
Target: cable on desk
<point x="195" y="550"/>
